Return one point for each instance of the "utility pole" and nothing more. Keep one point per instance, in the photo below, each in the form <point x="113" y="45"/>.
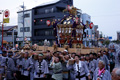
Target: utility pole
<point x="23" y="22"/>
<point x="2" y="29"/>
<point x="13" y="39"/>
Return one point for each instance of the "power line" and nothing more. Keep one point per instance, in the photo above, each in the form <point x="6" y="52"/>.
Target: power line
<point x="107" y="15"/>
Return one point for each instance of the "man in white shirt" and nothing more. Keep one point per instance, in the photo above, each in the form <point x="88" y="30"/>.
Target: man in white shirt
<point x="81" y="68"/>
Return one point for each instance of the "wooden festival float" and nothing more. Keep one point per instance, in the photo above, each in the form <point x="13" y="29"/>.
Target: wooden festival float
<point x="69" y="30"/>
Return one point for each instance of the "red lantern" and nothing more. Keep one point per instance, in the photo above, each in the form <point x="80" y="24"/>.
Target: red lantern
<point x="77" y="19"/>
<point x="25" y="39"/>
<point x="48" y="22"/>
<point x="34" y="21"/>
<point x="68" y="7"/>
<point x="91" y="25"/>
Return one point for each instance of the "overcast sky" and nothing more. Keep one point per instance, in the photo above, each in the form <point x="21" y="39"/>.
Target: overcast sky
<point x="104" y="13"/>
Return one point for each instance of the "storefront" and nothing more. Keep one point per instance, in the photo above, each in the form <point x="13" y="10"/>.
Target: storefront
<point x="20" y="41"/>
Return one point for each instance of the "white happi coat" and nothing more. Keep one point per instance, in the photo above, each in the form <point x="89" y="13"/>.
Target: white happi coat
<point x="106" y="75"/>
<point x="43" y="68"/>
<point x="83" y="69"/>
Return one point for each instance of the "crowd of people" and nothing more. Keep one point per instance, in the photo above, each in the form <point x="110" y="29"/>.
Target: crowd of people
<point x="59" y="65"/>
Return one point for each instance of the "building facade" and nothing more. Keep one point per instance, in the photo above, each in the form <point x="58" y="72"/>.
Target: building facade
<point x="87" y="38"/>
<point x="85" y="18"/>
<point x="118" y="36"/>
<point x="95" y="35"/>
<point x="9" y="35"/>
<point x="27" y="26"/>
<point x="43" y="13"/>
<point x="92" y="35"/>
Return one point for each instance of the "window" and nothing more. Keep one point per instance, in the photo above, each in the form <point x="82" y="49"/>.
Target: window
<point x="21" y="29"/>
<point x="49" y="10"/>
<point x="35" y="12"/>
<point x="44" y="32"/>
<point x="93" y="32"/>
<point x="26" y="15"/>
<point x="26" y="29"/>
<point x="41" y="11"/>
<point x="46" y="11"/>
<point x="60" y="9"/>
<point x="41" y="21"/>
<point x="87" y="34"/>
<point x="52" y="10"/>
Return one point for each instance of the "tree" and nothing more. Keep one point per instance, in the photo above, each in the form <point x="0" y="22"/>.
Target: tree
<point x="116" y="41"/>
<point x="107" y="42"/>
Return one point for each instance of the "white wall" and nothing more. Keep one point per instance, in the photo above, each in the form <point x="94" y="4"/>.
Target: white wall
<point x="27" y="23"/>
<point x="86" y="17"/>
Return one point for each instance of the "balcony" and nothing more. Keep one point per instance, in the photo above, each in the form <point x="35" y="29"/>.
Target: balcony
<point x="57" y="14"/>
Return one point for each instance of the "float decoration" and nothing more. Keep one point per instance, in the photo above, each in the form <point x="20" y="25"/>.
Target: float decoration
<point x="69" y="30"/>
